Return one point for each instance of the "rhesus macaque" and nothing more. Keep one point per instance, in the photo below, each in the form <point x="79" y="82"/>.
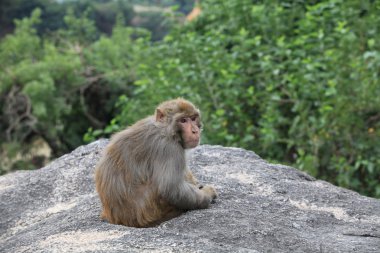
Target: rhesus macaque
<point x="142" y="178"/>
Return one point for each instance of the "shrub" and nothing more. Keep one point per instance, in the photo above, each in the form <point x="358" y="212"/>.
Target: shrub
<point x="295" y="81"/>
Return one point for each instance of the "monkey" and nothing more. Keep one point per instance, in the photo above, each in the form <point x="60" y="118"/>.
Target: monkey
<point x="142" y="177"/>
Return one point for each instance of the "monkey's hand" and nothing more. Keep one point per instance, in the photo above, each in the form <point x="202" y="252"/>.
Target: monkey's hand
<point x="209" y="191"/>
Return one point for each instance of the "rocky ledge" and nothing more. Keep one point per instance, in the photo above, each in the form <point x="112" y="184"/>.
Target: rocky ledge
<point x="262" y="207"/>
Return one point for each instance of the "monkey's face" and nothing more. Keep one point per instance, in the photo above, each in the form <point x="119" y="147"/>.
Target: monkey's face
<point x="190" y="130"/>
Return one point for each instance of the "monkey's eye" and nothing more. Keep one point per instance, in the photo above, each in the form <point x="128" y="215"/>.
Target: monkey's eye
<point x="194" y="118"/>
<point x="183" y="120"/>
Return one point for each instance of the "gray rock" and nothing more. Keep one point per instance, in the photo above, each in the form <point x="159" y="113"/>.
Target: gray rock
<point x="262" y="207"/>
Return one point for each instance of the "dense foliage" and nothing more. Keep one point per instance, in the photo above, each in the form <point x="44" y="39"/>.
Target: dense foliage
<point x="103" y="13"/>
<point x="56" y="88"/>
<point x="295" y="81"/>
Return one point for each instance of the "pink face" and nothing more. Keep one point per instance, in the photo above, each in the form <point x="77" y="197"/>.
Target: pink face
<point x="190" y="130"/>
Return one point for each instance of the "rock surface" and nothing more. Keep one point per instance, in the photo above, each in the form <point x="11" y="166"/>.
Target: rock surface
<point x="262" y="207"/>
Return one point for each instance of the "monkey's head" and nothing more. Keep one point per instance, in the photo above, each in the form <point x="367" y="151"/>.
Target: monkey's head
<point x="182" y="119"/>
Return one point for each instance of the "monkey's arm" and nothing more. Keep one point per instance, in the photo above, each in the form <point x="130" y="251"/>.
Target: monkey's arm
<point x="187" y="196"/>
<point x="173" y="185"/>
<point x="189" y="177"/>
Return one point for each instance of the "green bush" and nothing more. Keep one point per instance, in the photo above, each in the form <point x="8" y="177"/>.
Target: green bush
<point x="56" y="87"/>
<point x="295" y="81"/>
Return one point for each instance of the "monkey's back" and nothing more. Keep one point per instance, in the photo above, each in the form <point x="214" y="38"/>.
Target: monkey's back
<point x="123" y="177"/>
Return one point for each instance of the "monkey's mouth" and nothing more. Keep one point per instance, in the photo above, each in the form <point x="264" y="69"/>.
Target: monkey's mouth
<point x="191" y="143"/>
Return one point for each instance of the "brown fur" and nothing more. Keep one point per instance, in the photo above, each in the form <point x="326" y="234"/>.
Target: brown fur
<point x="142" y="178"/>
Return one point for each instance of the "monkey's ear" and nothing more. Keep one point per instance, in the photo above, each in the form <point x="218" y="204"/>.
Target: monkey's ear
<point x="159" y="116"/>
